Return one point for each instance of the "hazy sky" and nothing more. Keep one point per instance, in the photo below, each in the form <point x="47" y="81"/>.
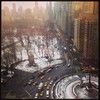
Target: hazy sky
<point x="27" y="4"/>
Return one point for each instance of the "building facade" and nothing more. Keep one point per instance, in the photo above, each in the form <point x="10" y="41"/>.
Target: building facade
<point x="63" y="17"/>
<point x="86" y="30"/>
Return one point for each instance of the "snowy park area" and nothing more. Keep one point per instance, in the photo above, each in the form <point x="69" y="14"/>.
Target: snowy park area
<point x="39" y="52"/>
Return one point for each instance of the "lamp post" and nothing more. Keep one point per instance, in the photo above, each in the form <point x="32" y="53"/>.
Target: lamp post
<point x="90" y="85"/>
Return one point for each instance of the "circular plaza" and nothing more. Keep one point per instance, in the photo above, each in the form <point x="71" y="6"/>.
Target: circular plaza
<point x="72" y="87"/>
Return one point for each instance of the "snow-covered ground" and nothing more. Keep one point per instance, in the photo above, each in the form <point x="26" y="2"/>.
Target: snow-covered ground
<point x="24" y="66"/>
<point x="39" y="53"/>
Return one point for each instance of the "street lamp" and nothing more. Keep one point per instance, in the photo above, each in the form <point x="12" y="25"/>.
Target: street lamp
<point x="90" y="85"/>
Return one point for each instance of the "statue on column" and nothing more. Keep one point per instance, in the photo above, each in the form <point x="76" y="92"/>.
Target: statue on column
<point x="31" y="59"/>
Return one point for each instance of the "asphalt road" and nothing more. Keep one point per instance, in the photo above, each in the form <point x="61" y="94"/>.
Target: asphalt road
<point x="56" y="72"/>
<point x="15" y="86"/>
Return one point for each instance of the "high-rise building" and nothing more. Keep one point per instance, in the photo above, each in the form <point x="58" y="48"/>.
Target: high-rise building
<point x="14" y="7"/>
<point x="20" y="10"/>
<point x="79" y="33"/>
<point x="86" y="31"/>
<point x="36" y="11"/>
<point x="63" y="17"/>
<point x="90" y="37"/>
<point x="6" y="18"/>
<point x="90" y="7"/>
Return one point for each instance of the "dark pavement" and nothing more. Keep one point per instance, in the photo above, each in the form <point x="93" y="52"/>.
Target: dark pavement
<point x="14" y="88"/>
<point x="54" y="73"/>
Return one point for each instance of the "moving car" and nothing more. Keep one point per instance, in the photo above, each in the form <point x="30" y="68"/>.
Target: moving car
<point x="41" y="73"/>
<point x="41" y="93"/>
<point x="48" y="87"/>
<point x="35" y="83"/>
<point x="51" y="82"/>
<point x="47" y="93"/>
<point x="46" y="83"/>
<point x="50" y="78"/>
<point x="30" y="82"/>
<point x="40" y="86"/>
<point x="49" y="70"/>
<point x="41" y="77"/>
<point x="36" y="96"/>
<point x="69" y="65"/>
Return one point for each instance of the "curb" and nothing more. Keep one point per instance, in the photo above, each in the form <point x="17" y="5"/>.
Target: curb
<point x="52" y="93"/>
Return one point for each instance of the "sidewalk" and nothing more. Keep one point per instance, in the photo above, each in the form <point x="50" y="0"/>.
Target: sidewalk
<point x="64" y="87"/>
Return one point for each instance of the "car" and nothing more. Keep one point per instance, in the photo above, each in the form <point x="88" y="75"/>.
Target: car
<point x="48" y="87"/>
<point x="47" y="93"/>
<point x="41" y="93"/>
<point x="30" y="82"/>
<point x="41" y="77"/>
<point x="51" y="82"/>
<point x="49" y="70"/>
<point x="35" y="83"/>
<point x="50" y="78"/>
<point x="40" y="73"/>
<point x="40" y="86"/>
<point x="45" y="84"/>
<point x="36" y="96"/>
<point x="69" y="65"/>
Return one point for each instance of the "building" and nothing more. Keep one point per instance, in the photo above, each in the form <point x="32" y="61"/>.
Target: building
<point x="6" y="18"/>
<point x="63" y="17"/>
<point x="90" y="7"/>
<point x="38" y="15"/>
<point x="86" y="30"/>
<point x="91" y="37"/>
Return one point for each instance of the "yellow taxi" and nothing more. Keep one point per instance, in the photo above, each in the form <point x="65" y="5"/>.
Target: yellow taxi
<point x="49" y="78"/>
<point x="48" y="87"/>
<point x="41" y="93"/>
<point x="35" y="83"/>
<point x="45" y="84"/>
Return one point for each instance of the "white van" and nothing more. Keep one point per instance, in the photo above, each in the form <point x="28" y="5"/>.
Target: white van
<point x="40" y="86"/>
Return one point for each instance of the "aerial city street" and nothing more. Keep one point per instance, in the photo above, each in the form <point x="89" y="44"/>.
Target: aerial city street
<point x="49" y="50"/>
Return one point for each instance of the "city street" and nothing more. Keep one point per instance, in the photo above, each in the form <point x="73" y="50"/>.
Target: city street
<point x="49" y="50"/>
<point x="23" y="72"/>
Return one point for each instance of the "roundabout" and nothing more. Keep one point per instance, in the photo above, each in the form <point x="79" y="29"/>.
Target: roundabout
<point x="72" y="87"/>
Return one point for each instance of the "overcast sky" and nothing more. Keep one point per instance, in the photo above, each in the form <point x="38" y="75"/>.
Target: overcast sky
<point x="25" y="5"/>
